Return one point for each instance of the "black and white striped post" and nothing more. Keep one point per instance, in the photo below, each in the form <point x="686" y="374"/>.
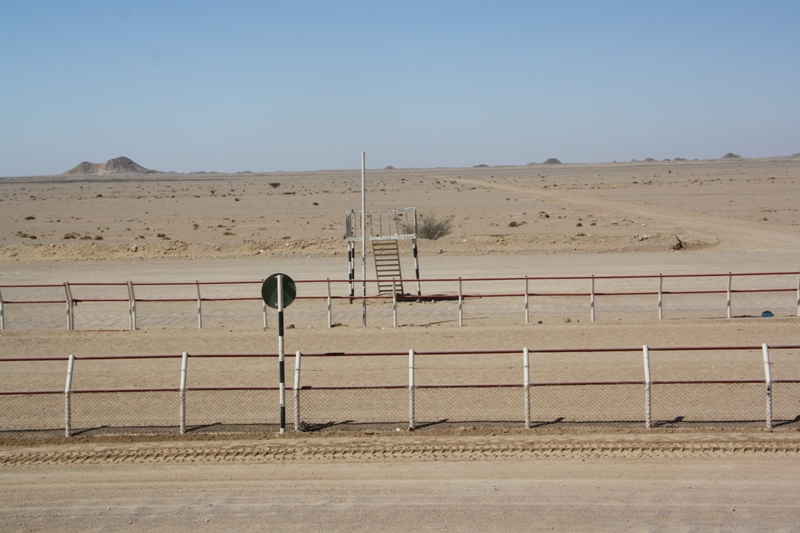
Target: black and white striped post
<point x="281" y="372"/>
<point x="278" y="291"/>
<point x="416" y="260"/>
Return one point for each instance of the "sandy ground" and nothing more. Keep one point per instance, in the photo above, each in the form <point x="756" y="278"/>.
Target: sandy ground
<point x="729" y="215"/>
<point x="564" y="492"/>
<point x="643" y="207"/>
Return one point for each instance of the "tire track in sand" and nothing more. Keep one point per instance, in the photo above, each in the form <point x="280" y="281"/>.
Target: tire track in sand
<point x="732" y="233"/>
<point x="385" y="450"/>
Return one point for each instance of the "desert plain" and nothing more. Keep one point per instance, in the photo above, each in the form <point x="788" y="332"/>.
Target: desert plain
<point x="632" y="218"/>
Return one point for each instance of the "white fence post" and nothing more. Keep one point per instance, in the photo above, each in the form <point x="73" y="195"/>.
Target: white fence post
<point x="411" y="389"/>
<point x="2" y="313"/>
<point x="132" y="306"/>
<point x="330" y="307"/>
<point x="730" y="276"/>
<point x="460" y="304"/>
<point x="199" y="307"/>
<point x="68" y="397"/>
<point x="661" y="296"/>
<point x="394" y="303"/>
<point x="647" y="386"/>
<point x="297" y="357"/>
<point x="526" y="359"/>
<point x="70" y="308"/>
<point x="184" y="368"/>
<point x="527" y="303"/>
<point x="768" y="382"/>
<point x="591" y="305"/>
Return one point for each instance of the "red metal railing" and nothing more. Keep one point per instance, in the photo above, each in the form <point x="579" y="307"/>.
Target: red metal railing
<point x="746" y="294"/>
<point x="716" y="408"/>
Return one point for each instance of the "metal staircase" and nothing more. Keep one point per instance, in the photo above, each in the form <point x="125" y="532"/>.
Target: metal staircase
<point x="387" y="266"/>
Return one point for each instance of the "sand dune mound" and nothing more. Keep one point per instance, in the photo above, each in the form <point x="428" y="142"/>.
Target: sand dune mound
<point x="731" y="155"/>
<point x="552" y="161"/>
<point x="119" y="165"/>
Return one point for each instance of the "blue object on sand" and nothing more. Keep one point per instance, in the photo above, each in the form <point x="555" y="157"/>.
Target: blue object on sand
<point x="767" y="314"/>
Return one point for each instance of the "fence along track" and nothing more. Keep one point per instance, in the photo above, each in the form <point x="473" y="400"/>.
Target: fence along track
<point x="451" y="301"/>
<point x="443" y="388"/>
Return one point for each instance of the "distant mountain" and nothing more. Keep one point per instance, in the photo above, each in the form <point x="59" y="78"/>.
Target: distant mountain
<point x="119" y="165"/>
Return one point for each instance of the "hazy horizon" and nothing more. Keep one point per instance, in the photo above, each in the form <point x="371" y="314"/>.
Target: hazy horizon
<point x="369" y="168"/>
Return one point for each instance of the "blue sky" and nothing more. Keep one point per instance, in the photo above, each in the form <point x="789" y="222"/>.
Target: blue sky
<point x="265" y="86"/>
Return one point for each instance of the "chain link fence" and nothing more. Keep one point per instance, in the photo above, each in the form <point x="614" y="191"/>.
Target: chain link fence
<point x="33" y="307"/>
<point x="445" y="302"/>
<point x="750" y="386"/>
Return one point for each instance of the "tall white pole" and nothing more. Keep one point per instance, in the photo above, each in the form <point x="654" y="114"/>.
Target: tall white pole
<point x="364" y="238"/>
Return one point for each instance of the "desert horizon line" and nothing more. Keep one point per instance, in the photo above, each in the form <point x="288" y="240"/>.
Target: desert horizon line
<point x="88" y="168"/>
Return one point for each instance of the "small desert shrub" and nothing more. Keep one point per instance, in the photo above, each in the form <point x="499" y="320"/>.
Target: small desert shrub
<point x="275" y="184"/>
<point x="429" y="227"/>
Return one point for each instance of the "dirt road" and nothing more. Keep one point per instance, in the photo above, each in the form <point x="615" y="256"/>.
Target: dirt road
<point x="738" y="483"/>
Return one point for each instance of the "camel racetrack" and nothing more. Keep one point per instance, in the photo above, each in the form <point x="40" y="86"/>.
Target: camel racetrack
<point x="569" y="220"/>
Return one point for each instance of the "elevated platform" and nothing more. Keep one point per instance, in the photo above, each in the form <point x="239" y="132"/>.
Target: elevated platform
<point x="388" y="224"/>
<point x="384" y="229"/>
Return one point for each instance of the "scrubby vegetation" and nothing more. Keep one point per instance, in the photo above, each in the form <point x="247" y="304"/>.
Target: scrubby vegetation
<point x="430" y="227"/>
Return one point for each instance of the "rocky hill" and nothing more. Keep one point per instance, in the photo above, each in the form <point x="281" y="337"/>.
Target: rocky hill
<point x="119" y="165"/>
